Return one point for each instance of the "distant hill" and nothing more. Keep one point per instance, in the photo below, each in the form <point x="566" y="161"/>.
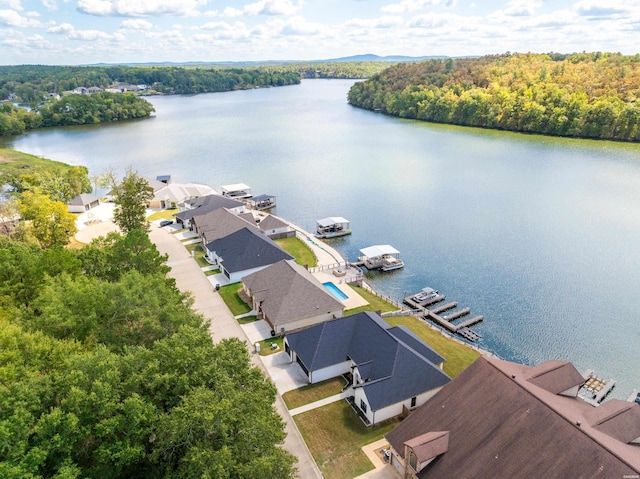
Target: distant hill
<point x="368" y="57"/>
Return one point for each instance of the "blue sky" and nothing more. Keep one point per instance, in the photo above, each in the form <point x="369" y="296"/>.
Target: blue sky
<point x="114" y="31"/>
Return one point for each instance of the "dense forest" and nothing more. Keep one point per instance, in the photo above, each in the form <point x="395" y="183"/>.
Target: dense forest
<point x="587" y="95"/>
<point x="105" y="369"/>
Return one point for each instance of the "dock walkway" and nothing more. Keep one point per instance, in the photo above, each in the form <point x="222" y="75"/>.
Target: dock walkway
<point x="422" y="310"/>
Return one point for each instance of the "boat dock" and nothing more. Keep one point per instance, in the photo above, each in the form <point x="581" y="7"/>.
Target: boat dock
<point x="424" y="310"/>
<point x="594" y="389"/>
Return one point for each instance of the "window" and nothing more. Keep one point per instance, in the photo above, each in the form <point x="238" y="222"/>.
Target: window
<point x="413" y="401"/>
<point x="363" y="406"/>
<point x="413" y="460"/>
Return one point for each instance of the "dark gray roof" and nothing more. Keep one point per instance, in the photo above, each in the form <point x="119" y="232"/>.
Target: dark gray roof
<point x="245" y="249"/>
<point x="406" y="336"/>
<point x="218" y="224"/>
<point x="206" y="204"/>
<point x="257" y="199"/>
<point x="501" y="425"/>
<point x="271" y="222"/>
<point x="288" y="292"/>
<point x="83" y="199"/>
<point x="394" y="371"/>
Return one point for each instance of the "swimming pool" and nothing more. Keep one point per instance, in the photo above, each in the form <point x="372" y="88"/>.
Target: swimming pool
<point x="335" y="291"/>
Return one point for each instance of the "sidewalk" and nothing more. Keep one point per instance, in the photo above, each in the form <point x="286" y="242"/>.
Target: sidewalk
<point x="322" y="402"/>
<point x="190" y="278"/>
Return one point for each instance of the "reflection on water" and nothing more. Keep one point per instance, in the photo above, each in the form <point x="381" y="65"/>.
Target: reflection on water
<point x="539" y="235"/>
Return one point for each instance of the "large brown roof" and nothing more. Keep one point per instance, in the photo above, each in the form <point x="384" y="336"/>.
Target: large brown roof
<point x="501" y="425"/>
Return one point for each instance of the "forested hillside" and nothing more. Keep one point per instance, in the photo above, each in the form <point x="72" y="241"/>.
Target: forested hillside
<point x="588" y="95"/>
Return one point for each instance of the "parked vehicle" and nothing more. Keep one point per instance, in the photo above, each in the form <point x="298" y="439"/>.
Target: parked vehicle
<point x="164" y="223"/>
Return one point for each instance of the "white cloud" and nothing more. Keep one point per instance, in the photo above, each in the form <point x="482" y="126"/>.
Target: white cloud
<point x="599" y="8"/>
<point x="408" y="6"/>
<point x="262" y="7"/>
<point x="71" y="33"/>
<point x="299" y="26"/>
<point x="382" y="22"/>
<point x="136" y="24"/>
<point x="522" y="7"/>
<point x="50" y="4"/>
<point x="12" y="18"/>
<point x="14" y="4"/>
<point x="139" y="8"/>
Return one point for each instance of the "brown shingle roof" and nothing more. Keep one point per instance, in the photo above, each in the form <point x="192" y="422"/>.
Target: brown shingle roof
<point x="429" y="445"/>
<point x="503" y="426"/>
<point x="555" y="376"/>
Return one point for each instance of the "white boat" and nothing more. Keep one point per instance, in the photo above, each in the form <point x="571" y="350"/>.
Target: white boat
<point x="332" y="227"/>
<point x="425" y="294"/>
<point x="384" y="257"/>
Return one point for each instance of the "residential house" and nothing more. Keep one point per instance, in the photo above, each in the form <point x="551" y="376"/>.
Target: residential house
<point x="217" y="224"/>
<point x="171" y="195"/>
<point x="272" y="226"/>
<point x="502" y="420"/>
<point x="288" y="297"/>
<point x="392" y="370"/>
<point x="206" y="204"/>
<point x="244" y="252"/>
<point x="83" y="203"/>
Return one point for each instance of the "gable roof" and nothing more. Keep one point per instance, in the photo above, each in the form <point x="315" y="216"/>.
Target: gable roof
<point x="246" y="249"/>
<point x="501" y="425"/>
<point x="83" y="199"/>
<point x="206" y="204"/>
<point x="218" y="224"/>
<point x="555" y="376"/>
<point x="177" y="192"/>
<point x="392" y="369"/>
<point x="288" y="292"/>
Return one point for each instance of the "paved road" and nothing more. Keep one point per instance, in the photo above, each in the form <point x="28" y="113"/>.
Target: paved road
<point x="189" y="277"/>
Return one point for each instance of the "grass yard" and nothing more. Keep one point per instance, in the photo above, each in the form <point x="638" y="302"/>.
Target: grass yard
<point x="229" y="295"/>
<point x="163" y="215"/>
<point x="16" y="163"/>
<point x="313" y="392"/>
<point x="457" y="356"/>
<point x="300" y="251"/>
<point x="376" y="303"/>
<point x="335" y="436"/>
<point x="265" y="346"/>
<point x="247" y="319"/>
<point x="211" y="272"/>
<point x="198" y="254"/>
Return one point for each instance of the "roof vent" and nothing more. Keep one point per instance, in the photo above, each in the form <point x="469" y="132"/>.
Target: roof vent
<point x="578" y="423"/>
<point x="513" y="376"/>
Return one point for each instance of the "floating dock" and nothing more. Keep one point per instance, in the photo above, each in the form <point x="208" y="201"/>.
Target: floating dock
<point x="594" y="389"/>
<point x="423" y="309"/>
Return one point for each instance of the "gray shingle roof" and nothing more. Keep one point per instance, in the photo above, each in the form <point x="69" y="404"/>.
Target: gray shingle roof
<point x="501" y="425"/>
<point x="83" y="199"/>
<point x="218" y="224"/>
<point x="206" y="204"/>
<point x="288" y="292"/>
<point x="394" y="370"/>
<point x="245" y="249"/>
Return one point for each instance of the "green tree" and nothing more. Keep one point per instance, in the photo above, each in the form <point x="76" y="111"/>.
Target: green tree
<point x="131" y="197"/>
<point x="50" y="221"/>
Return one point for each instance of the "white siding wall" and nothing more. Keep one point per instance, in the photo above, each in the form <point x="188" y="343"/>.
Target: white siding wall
<point x="394" y="409"/>
<point x="330" y="372"/>
<point x="306" y="322"/>
<point x="237" y="276"/>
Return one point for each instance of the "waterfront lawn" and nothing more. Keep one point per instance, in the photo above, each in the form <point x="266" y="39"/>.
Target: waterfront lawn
<point x="198" y="255"/>
<point x="229" y="295"/>
<point x="335" y="435"/>
<point x="457" y="356"/>
<point x="300" y="251"/>
<point x="376" y="303"/>
<point x="313" y="392"/>
<point x="16" y="163"/>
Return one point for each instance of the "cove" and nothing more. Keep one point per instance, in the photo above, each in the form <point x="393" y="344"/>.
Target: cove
<point x="539" y="235"/>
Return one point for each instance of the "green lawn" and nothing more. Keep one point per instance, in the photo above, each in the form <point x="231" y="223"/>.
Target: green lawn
<point x="265" y="346"/>
<point x="247" y="319"/>
<point x="299" y="250"/>
<point x="335" y="435"/>
<point x="229" y="295"/>
<point x="457" y="356"/>
<point x="16" y="163"/>
<point x="198" y="254"/>
<point x="313" y="392"/>
<point x="211" y="272"/>
<point x="163" y="215"/>
<point x="376" y="303"/>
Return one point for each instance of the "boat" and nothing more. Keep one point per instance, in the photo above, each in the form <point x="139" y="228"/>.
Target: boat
<point x="425" y="294"/>
<point x="384" y="257"/>
<point x="332" y="227"/>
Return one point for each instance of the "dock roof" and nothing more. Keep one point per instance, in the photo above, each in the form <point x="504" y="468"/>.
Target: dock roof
<point x="331" y="220"/>
<point x="379" y="250"/>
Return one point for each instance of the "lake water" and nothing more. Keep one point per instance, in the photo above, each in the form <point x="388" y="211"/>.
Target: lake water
<point x="540" y="235"/>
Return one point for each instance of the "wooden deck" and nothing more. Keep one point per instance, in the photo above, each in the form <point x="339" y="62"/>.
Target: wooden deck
<point x="423" y="310"/>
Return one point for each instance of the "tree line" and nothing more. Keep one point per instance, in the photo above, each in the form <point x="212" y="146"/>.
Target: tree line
<point x="587" y="95"/>
<point x="107" y="371"/>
